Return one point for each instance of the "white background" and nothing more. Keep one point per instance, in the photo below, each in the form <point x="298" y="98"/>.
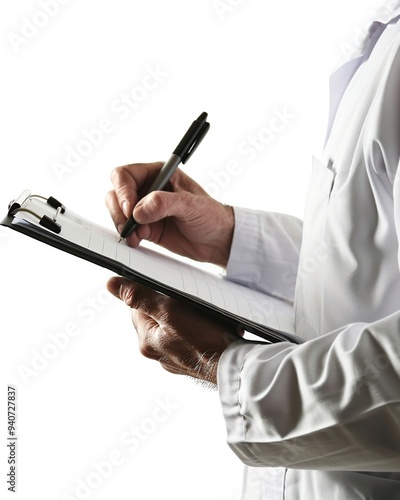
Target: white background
<point x="242" y="62"/>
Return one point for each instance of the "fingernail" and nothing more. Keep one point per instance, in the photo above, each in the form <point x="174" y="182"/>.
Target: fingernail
<point x="124" y="206"/>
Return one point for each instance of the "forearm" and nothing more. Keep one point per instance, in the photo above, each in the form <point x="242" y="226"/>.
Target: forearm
<point x="330" y="404"/>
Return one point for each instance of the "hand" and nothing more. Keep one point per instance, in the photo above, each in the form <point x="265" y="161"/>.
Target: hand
<point x="184" y="219"/>
<point x="182" y="338"/>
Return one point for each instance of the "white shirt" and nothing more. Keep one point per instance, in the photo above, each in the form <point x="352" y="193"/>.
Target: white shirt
<point x="322" y="419"/>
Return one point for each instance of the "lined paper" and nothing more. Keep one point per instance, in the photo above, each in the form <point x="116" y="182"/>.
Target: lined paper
<point x="175" y="273"/>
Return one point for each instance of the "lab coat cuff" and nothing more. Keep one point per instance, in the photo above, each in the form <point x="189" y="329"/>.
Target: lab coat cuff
<point x="230" y="366"/>
<point x="246" y="245"/>
<point x="265" y="252"/>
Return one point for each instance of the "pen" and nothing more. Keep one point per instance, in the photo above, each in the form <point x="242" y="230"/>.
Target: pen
<point x="181" y="154"/>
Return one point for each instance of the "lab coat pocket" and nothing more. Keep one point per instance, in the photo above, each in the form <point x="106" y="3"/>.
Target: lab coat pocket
<point x="319" y="193"/>
<point x="322" y="181"/>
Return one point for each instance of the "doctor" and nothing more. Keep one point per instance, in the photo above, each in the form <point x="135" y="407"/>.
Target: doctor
<point x="321" y="419"/>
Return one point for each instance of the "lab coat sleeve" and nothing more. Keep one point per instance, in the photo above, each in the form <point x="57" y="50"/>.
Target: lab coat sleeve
<point x="265" y="252"/>
<point x="332" y="403"/>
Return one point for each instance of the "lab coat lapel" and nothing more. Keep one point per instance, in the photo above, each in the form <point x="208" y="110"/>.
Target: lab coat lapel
<point x="344" y="72"/>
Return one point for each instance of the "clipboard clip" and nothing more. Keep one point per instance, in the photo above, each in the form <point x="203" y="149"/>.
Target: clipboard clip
<point x="17" y="206"/>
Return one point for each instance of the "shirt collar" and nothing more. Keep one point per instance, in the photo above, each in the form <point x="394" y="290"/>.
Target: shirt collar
<point x="389" y="10"/>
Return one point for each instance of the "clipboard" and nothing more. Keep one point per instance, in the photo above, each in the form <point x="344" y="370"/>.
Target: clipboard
<point x="49" y="221"/>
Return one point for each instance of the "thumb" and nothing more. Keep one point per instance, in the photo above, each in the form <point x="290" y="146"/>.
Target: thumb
<point x="161" y="204"/>
<point x="135" y="295"/>
<point x="126" y="290"/>
<point x="114" y="285"/>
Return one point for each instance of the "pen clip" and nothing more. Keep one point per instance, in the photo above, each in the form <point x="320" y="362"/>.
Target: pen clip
<point x="192" y="138"/>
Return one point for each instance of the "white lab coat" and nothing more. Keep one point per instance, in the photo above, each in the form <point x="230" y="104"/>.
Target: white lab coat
<point x="304" y="418"/>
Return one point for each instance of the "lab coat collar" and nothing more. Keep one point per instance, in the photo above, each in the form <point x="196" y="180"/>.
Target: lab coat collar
<point x="348" y="65"/>
<point x="389" y="10"/>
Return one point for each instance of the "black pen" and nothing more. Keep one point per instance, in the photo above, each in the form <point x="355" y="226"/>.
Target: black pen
<point x="181" y="154"/>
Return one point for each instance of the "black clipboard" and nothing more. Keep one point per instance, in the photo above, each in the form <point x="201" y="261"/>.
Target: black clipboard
<point x="43" y="218"/>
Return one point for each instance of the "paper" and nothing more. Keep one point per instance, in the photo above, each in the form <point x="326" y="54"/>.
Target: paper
<point x="173" y="272"/>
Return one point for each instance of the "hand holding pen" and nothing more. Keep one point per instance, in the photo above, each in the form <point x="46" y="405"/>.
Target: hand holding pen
<point x="181" y="154"/>
<point x="184" y="219"/>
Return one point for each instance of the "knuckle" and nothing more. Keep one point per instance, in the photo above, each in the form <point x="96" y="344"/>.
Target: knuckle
<point x="129" y="296"/>
<point x="109" y="197"/>
<point x="116" y="174"/>
<point x="139" y="297"/>
<point x="157" y="202"/>
<point x="163" y="340"/>
<point x="146" y="350"/>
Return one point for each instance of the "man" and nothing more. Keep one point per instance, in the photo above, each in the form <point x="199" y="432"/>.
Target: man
<point x="321" y="419"/>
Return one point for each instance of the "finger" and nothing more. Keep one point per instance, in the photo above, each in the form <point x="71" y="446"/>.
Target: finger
<point x="137" y="296"/>
<point x="149" y="342"/>
<point x="142" y="232"/>
<point x="116" y="213"/>
<point x="145" y="326"/>
<point x="113" y="286"/>
<point x="119" y="220"/>
<point x="161" y="204"/>
<point x="130" y="181"/>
